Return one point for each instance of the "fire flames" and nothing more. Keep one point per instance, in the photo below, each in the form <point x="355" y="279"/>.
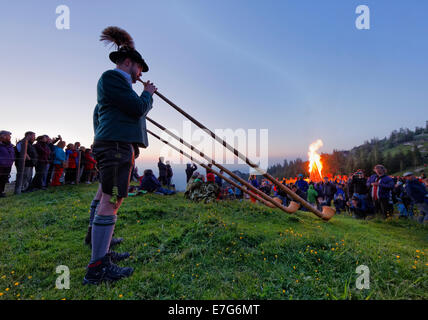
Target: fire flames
<point x="315" y="164"/>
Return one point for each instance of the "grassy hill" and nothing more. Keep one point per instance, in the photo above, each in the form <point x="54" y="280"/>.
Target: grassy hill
<point x="226" y="250"/>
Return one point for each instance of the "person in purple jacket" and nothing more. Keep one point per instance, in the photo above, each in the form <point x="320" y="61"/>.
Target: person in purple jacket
<point x="7" y="157"/>
<point x="43" y="156"/>
<point x="381" y="187"/>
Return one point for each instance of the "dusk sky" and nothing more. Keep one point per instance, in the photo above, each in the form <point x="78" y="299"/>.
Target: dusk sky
<point x="300" y="69"/>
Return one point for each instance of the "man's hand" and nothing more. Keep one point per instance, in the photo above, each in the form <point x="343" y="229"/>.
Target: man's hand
<point x="150" y="87"/>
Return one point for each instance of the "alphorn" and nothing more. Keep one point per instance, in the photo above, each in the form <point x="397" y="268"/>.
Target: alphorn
<point x="294" y="206"/>
<point x="214" y="171"/>
<point x="327" y="212"/>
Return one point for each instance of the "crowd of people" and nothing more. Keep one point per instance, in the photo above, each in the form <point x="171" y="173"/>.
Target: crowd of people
<point x="43" y="161"/>
<point x="362" y="196"/>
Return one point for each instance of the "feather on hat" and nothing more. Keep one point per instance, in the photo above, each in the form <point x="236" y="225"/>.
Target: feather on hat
<point x="124" y="46"/>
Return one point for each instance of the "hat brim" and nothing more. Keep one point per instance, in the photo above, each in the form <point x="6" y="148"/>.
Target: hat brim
<point x="117" y="55"/>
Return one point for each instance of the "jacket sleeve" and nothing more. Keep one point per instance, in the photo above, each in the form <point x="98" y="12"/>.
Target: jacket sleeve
<point x="386" y="183"/>
<point x="95" y="118"/>
<point x="118" y="91"/>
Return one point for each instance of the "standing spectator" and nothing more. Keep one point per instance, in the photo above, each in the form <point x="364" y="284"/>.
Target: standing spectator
<point x="7" y="157"/>
<point x="162" y="171"/>
<point x="238" y="192"/>
<point x="89" y="169"/>
<point x="219" y="180"/>
<point x="70" y="172"/>
<point x="209" y="170"/>
<point x="357" y="184"/>
<point x="26" y="172"/>
<point x="417" y="191"/>
<point x="381" y="187"/>
<point x="81" y="163"/>
<point x="302" y="185"/>
<point x="282" y="194"/>
<point x="312" y="195"/>
<point x="43" y="154"/>
<point x="58" y="163"/>
<point x="299" y="192"/>
<point x="169" y="174"/>
<point x="253" y="181"/>
<point x="189" y="171"/>
<point x="51" y="144"/>
<point x="328" y="190"/>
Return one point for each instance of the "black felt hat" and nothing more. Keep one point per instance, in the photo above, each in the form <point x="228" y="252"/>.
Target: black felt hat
<point x="124" y="44"/>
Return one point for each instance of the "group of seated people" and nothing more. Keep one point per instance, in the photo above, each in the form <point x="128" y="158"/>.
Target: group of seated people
<point x="199" y="189"/>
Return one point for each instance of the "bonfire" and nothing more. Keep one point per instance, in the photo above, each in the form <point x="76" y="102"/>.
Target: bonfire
<point x="315" y="164"/>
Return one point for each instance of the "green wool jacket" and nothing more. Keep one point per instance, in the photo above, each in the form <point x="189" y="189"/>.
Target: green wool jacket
<point x="120" y="114"/>
<point x="312" y="194"/>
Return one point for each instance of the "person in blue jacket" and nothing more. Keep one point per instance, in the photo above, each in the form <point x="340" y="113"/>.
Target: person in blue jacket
<point x="418" y="193"/>
<point x="302" y="185"/>
<point x="381" y="191"/>
<point x="119" y="127"/>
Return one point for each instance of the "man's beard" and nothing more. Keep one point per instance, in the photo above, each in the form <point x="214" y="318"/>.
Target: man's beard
<point x="133" y="77"/>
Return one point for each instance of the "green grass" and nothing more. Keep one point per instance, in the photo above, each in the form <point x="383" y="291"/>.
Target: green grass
<point x="403" y="148"/>
<point x="226" y="250"/>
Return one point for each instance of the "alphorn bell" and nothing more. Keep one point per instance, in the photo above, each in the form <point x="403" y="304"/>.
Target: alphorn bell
<point x="245" y="183"/>
<point x="327" y="212"/>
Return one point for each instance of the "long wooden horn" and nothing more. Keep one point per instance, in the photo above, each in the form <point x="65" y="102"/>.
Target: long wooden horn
<point x="245" y="183"/>
<point x="293" y="207"/>
<point x="222" y="176"/>
<point x="327" y="213"/>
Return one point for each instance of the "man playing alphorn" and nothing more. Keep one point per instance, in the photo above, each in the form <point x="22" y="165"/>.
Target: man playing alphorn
<point x="119" y="125"/>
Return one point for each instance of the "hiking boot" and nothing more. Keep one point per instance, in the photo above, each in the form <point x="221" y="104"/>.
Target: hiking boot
<point x="88" y="238"/>
<point x="105" y="270"/>
<point x="116" y="256"/>
<point x="115" y="242"/>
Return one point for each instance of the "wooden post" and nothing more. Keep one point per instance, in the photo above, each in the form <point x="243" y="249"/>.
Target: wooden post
<point x="20" y="175"/>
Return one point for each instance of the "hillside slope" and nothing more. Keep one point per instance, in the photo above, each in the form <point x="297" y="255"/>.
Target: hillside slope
<point x="226" y="250"/>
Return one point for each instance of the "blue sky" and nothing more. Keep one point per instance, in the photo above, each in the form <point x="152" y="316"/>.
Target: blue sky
<point x="301" y="69"/>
